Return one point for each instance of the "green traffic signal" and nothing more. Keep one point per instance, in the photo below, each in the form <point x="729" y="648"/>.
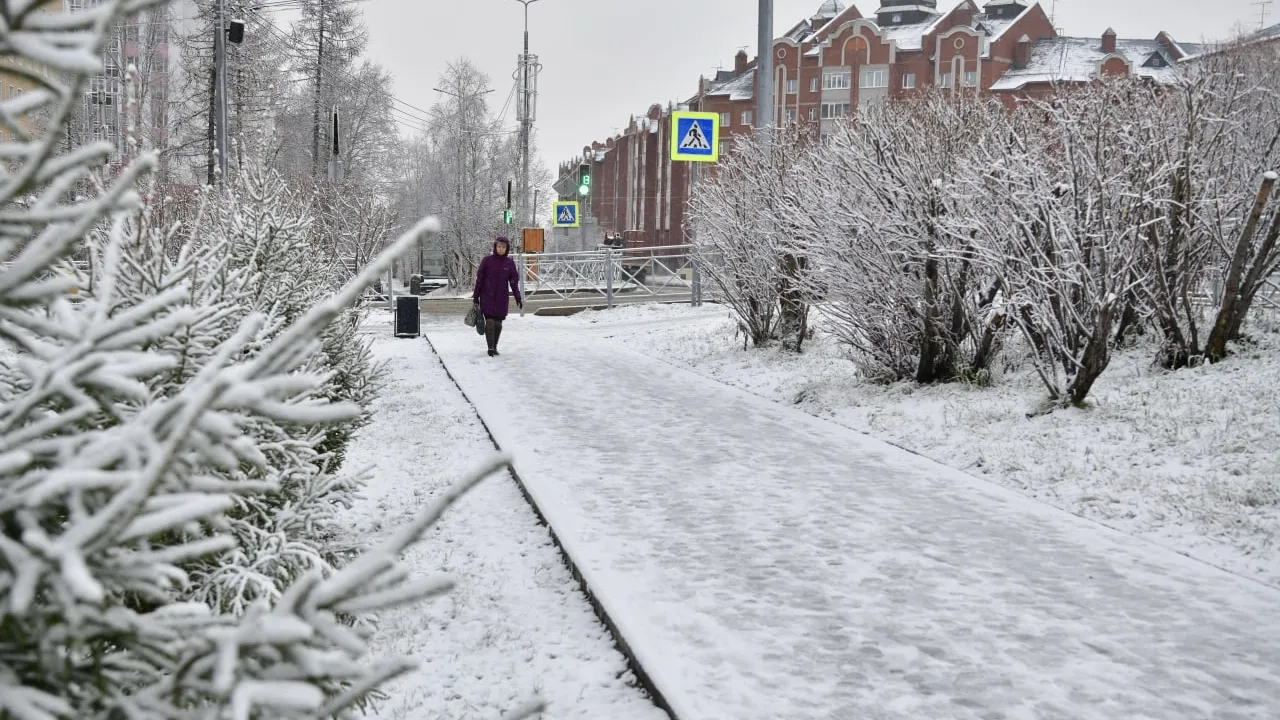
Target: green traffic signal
<point x="507" y="217"/>
<point x="584" y="189"/>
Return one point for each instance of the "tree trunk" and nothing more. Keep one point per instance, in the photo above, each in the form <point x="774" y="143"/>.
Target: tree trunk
<point x="1259" y="270"/>
<point x="1216" y="346"/>
<point x="213" y="109"/>
<point x="1096" y="357"/>
<point x="315" y="100"/>
<point x="794" y="321"/>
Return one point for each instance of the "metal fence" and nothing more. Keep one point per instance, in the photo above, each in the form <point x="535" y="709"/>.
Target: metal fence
<point x="612" y="276"/>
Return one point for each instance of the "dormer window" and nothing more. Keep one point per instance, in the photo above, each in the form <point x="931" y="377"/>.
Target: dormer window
<point x="897" y="17"/>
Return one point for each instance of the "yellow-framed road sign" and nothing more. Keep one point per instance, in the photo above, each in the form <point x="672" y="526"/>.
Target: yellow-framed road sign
<point x="695" y="136"/>
<point x="566" y="215"/>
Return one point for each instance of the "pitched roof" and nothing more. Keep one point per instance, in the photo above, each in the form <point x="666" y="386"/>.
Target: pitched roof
<point x="1075" y="60"/>
<point x="735" y="87"/>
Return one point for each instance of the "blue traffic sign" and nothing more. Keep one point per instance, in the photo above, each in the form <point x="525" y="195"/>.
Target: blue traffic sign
<point x="695" y="136"/>
<point x="566" y="214"/>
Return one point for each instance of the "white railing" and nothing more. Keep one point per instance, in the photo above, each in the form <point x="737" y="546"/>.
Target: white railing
<point x="612" y="275"/>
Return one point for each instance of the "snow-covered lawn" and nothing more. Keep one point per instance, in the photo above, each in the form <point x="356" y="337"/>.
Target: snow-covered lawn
<point x="517" y="624"/>
<point x="1190" y="459"/>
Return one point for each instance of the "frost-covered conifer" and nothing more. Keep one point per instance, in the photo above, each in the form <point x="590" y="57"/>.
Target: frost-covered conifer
<point x="135" y="415"/>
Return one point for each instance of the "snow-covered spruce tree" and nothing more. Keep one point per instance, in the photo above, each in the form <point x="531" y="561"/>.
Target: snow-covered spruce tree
<point x="741" y="234"/>
<point x="1057" y="206"/>
<point x="250" y="254"/>
<point x="107" y="488"/>
<point x="900" y="287"/>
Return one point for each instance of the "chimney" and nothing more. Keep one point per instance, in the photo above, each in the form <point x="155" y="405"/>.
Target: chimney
<point x="740" y="62"/>
<point x="1022" y="52"/>
<point x="1109" y="41"/>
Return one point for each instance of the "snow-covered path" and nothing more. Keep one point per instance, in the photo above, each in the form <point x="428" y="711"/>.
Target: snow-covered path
<point x="767" y="564"/>
<point x="516" y="625"/>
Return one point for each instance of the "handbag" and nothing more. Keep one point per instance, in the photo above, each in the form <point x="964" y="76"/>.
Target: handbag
<point x="474" y="318"/>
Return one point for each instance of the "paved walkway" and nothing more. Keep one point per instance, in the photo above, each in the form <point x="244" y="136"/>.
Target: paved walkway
<point x="765" y="564"/>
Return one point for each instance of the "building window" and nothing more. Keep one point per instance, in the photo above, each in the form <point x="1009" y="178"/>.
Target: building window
<point x="909" y="81"/>
<point x="746" y="117"/>
<point x="722" y="148"/>
<point x="948" y="80"/>
<point x="971" y="79"/>
<point x="833" y="110"/>
<point x="875" y="78"/>
<point x="793" y="87"/>
<point x="836" y="81"/>
<point x="789" y="115"/>
<point x="726" y="119"/>
<point x="813" y="114"/>
<point x="813" y="84"/>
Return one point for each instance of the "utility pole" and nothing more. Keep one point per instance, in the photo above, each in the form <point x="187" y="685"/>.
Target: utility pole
<point x="220" y="85"/>
<point x="528" y="107"/>
<point x="764" y="74"/>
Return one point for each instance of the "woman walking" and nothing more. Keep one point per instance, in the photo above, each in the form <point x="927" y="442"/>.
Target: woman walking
<point x="497" y="272"/>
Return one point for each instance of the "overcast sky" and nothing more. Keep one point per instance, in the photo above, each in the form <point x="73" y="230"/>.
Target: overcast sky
<point x="606" y="59"/>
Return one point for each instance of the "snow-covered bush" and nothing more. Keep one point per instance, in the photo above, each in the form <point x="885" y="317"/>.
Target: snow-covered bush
<point x="123" y="461"/>
<point x="1058" y="203"/>
<point x="742" y="235"/>
<point x="901" y="289"/>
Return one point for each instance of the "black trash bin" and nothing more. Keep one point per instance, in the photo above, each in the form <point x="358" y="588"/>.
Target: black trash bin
<point x="415" y="284"/>
<point x="408" y="318"/>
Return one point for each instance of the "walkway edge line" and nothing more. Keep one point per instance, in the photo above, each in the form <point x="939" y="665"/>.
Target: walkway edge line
<point x="619" y="641"/>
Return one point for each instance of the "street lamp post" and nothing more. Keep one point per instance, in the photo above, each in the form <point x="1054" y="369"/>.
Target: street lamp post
<point x="764" y="73"/>
<point x="526" y="122"/>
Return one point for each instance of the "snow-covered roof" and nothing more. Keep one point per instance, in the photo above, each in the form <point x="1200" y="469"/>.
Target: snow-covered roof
<point x="1075" y="60"/>
<point x="887" y="8"/>
<point x="998" y="3"/>
<point x="1270" y="33"/>
<point x="738" y="87"/>
<point x="911" y="37"/>
<point x="995" y="27"/>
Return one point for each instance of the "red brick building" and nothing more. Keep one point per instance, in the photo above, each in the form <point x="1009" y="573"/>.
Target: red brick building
<point x="838" y="61"/>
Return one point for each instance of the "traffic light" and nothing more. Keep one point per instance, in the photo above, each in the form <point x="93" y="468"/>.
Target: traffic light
<point x="584" y="179"/>
<point x="506" y="217"/>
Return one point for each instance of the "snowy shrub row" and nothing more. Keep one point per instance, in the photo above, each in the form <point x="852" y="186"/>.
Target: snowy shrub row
<point x="170" y="428"/>
<point x="929" y="229"/>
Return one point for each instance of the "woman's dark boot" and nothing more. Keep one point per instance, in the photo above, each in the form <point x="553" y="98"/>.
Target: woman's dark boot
<point x="491" y="336"/>
<point x="497" y="335"/>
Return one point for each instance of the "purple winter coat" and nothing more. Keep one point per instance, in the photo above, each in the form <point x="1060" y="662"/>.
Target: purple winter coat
<point x="496" y="273"/>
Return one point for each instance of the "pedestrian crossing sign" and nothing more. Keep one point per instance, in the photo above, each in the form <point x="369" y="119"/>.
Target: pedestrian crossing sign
<point x="695" y="136"/>
<point x="566" y="214"/>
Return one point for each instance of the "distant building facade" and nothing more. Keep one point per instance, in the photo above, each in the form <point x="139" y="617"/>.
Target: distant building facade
<point x="837" y="62"/>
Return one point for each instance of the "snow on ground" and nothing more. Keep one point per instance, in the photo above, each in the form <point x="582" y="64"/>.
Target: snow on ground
<point x="517" y="624"/>
<point x="1189" y="459"/>
<point x="765" y="564"/>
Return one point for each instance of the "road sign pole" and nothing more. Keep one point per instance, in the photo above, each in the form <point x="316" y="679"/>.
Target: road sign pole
<point x="524" y="270"/>
<point x="608" y="276"/>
